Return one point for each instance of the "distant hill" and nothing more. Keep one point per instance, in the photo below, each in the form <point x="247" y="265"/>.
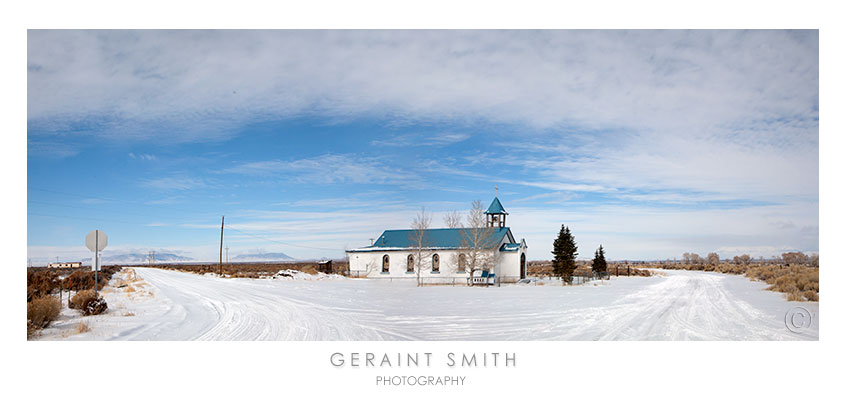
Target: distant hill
<point x="265" y="256"/>
<point x="131" y="258"/>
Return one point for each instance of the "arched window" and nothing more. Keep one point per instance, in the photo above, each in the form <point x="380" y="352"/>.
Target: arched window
<point x="435" y="263"/>
<point x="385" y="263"/>
<point x="463" y="263"/>
<point x="410" y="263"/>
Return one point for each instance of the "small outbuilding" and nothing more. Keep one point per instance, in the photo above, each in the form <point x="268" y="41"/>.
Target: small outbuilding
<point x="325" y="266"/>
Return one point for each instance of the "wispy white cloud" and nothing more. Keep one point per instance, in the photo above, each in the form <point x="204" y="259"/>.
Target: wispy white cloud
<point x="422" y="139"/>
<point x="143" y="157"/>
<point x="641" y="116"/>
<point x="641" y="232"/>
<point x="556" y="197"/>
<point x="327" y="169"/>
<point x="50" y="148"/>
<point x="174" y="183"/>
<point x="94" y="201"/>
<point x="756" y="83"/>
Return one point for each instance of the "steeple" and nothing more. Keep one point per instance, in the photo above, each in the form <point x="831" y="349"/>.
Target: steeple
<point x="496" y="214"/>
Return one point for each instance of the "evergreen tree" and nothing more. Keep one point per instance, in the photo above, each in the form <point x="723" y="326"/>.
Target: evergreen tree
<point x="559" y="252"/>
<point x="564" y="254"/>
<point x="599" y="263"/>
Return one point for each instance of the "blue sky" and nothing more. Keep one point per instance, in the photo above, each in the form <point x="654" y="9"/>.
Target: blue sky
<point x="652" y="143"/>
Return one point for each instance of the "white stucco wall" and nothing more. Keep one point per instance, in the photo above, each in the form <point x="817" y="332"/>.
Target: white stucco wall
<point x="369" y="264"/>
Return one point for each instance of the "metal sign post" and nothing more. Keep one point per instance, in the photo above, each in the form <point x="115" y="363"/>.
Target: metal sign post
<point x="96" y="240"/>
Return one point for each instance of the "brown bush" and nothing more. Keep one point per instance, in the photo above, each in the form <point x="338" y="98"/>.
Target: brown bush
<point x="40" y="312"/>
<point x="41" y="282"/>
<point x="84" y="279"/>
<point x="811" y="295"/>
<point x="794" y="296"/>
<point x="88" y="302"/>
<point x="252" y="270"/>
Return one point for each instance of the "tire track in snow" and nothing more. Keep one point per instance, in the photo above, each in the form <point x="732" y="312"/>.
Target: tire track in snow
<point x="681" y="306"/>
<point x="209" y="308"/>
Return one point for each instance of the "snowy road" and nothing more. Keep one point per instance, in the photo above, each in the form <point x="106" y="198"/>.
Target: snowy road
<point x="682" y="305"/>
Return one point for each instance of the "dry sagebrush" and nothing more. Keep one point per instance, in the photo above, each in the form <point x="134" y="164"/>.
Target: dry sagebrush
<point x="40" y="312"/>
<point x="88" y="303"/>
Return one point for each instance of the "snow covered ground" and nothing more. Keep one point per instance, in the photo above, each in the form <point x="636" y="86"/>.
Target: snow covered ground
<point x="681" y="305"/>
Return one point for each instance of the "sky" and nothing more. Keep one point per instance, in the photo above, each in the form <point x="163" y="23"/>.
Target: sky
<point x="651" y="143"/>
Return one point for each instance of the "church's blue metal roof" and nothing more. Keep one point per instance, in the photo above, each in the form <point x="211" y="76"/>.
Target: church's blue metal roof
<point x="496" y="207"/>
<point x="435" y="238"/>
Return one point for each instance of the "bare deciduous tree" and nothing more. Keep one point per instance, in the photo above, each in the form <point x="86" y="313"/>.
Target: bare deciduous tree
<point x="713" y="259"/>
<point x="795" y="258"/>
<point x="478" y="246"/>
<point x="741" y="260"/>
<point x="419" y="238"/>
<point x="369" y="267"/>
<point x="453" y="220"/>
<point x="692" y="259"/>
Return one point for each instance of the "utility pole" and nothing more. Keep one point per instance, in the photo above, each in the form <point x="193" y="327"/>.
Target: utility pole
<point x="221" y="253"/>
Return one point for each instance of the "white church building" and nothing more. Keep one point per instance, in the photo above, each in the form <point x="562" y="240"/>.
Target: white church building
<point x="445" y="258"/>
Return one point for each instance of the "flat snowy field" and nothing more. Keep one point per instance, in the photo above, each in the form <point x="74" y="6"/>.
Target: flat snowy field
<point x="681" y="305"/>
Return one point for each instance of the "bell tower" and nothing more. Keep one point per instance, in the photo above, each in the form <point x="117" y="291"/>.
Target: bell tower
<point x="495" y="214"/>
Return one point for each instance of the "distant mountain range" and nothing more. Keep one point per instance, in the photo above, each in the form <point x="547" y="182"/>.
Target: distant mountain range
<point x="266" y="256"/>
<point x="131" y="258"/>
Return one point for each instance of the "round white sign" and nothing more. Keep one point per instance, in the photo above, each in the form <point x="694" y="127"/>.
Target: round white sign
<point x="96" y="240"/>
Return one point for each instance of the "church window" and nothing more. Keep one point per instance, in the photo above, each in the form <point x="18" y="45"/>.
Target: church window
<point x="385" y="264"/>
<point x="435" y="263"/>
<point x="410" y="263"/>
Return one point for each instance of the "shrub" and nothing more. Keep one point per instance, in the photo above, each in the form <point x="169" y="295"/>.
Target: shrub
<point x="96" y="306"/>
<point x="811" y="295"/>
<point x="82" y="327"/>
<point x="84" y="280"/>
<point x="40" y="283"/>
<point x="88" y="302"/>
<point x="794" y="296"/>
<point x="40" y="312"/>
